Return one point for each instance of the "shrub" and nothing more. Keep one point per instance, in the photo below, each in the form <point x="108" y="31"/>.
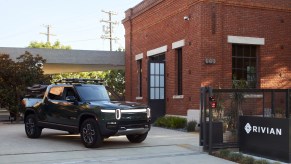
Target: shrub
<point x="191" y="126"/>
<point x="261" y="161"/>
<point x="236" y="157"/>
<point x="224" y="153"/>
<point x="247" y="160"/>
<point x="171" y="122"/>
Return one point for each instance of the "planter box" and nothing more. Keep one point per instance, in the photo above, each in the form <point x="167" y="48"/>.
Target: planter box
<point x="217" y="133"/>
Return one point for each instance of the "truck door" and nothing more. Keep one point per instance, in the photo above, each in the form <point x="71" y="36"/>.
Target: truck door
<point x="57" y="109"/>
<point x="49" y="110"/>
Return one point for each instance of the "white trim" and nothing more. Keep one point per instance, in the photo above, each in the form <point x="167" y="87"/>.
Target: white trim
<point x="178" y="44"/>
<point x="134" y="111"/>
<point x="139" y="56"/>
<point x="157" y="51"/>
<point x="107" y="111"/>
<point x="178" y="96"/>
<point x="139" y="98"/>
<point x="245" y="40"/>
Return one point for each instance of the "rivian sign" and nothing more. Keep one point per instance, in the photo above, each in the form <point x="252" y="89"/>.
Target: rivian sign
<point x="264" y="130"/>
<point x="265" y="137"/>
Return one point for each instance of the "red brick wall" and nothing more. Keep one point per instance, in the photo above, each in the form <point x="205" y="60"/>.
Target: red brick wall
<point x="205" y="36"/>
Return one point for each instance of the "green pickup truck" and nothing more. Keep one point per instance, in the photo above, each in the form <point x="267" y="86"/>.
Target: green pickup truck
<point x="76" y="106"/>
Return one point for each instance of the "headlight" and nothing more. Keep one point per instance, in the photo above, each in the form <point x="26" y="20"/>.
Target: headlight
<point x="148" y="112"/>
<point x="117" y="114"/>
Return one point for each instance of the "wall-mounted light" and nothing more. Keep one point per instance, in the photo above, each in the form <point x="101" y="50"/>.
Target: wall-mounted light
<point x="186" y="18"/>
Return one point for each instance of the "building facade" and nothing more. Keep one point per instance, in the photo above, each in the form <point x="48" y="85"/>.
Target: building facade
<point x="173" y="48"/>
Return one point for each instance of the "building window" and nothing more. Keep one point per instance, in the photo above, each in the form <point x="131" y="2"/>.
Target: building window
<point x="179" y="71"/>
<point x="244" y="66"/>
<point x="139" y="78"/>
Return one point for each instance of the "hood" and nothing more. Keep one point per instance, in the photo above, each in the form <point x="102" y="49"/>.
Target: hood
<point x="118" y="105"/>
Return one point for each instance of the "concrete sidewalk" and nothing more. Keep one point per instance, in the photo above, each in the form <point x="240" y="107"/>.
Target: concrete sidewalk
<point x="161" y="146"/>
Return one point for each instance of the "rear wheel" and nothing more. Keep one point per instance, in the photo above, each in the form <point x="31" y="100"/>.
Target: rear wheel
<point x="137" y="138"/>
<point x="31" y="128"/>
<point x="90" y="134"/>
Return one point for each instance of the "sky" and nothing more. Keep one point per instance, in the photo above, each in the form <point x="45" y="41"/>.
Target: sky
<point x="75" y="23"/>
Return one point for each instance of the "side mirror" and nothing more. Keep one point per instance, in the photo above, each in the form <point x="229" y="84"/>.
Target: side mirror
<point x="71" y="98"/>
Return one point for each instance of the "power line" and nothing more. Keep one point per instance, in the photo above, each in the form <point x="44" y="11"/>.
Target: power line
<point x="48" y="34"/>
<point x="108" y="30"/>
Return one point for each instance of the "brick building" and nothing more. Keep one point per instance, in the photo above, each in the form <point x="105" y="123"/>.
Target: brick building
<point x="175" y="47"/>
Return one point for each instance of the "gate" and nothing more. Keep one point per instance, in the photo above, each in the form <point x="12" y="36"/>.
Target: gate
<point x="157" y="86"/>
<point x="223" y="109"/>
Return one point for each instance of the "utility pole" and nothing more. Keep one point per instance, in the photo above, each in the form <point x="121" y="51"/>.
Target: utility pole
<point x="108" y="30"/>
<point x="48" y="34"/>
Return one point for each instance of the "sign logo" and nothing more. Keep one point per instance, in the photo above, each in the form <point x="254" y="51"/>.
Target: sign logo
<point x="263" y="130"/>
<point x="248" y="128"/>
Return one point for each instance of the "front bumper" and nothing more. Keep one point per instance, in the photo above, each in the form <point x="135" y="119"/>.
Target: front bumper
<point x="125" y="131"/>
<point x="121" y="128"/>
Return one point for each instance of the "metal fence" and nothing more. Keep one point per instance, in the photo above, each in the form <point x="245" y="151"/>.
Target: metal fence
<point x="220" y="110"/>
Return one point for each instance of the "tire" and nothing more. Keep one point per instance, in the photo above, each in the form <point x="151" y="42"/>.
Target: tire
<point x="137" y="138"/>
<point x="90" y="134"/>
<point x="32" y="130"/>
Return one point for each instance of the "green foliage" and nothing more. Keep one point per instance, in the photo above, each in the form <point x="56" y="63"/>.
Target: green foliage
<point x="261" y="161"/>
<point x="112" y="78"/>
<point x="239" y="157"/>
<point x="191" y="126"/>
<point x="224" y="153"/>
<point x="247" y="160"/>
<point x="15" y="76"/>
<point x="56" y="45"/>
<point x="236" y="157"/>
<point x="171" y="122"/>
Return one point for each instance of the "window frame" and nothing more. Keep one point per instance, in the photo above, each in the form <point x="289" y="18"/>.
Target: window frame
<point x="179" y="72"/>
<point x="245" y="64"/>
<point x="139" y="78"/>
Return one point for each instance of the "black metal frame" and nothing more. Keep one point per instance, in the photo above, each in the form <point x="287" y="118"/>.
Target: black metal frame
<point x="206" y="92"/>
<point x="80" y="81"/>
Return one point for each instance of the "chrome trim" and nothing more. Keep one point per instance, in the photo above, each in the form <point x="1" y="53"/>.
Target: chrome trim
<point x="125" y="131"/>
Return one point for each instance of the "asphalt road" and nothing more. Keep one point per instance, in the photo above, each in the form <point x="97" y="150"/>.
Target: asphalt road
<point x="57" y="147"/>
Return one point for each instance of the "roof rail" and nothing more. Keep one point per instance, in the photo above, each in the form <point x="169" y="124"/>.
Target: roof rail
<point x="80" y="81"/>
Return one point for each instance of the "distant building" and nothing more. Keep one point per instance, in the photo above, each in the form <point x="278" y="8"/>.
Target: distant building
<point x="175" y="47"/>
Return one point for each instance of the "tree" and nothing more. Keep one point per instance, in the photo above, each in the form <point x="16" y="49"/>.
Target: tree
<point x="15" y="76"/>
<point x="112" y="78"/>
<point x="56" y="45"/>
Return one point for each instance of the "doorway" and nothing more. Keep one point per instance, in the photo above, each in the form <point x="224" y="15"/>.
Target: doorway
<point x="157" y="86"/>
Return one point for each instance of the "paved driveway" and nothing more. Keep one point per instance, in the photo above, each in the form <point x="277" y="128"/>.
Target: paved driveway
<point x="57" y="147"/>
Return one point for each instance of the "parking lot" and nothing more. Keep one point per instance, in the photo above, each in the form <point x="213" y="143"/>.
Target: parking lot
<point x="57" y="147"/>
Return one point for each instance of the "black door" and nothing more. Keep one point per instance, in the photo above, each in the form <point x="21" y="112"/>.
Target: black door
<point x="57" y="110"/>
<point x="157" y="86"/>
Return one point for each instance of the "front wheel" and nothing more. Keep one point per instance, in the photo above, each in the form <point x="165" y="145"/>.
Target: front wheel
<point x="31" y="128"/>
<point x="90" y="134"/>
<point x="137" y="138"/>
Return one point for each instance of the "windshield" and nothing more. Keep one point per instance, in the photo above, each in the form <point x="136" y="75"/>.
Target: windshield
<point x="93" y="93"/>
